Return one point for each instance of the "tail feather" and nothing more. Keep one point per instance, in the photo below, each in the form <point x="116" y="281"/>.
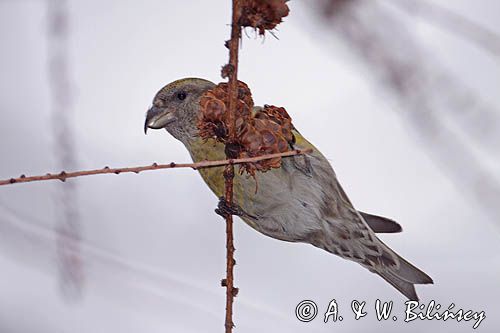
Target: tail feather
<point x="405" y="277"/>
<point x="411" y="273"/>
<point x="381" y="224"/>
<point x="404" y="287"/>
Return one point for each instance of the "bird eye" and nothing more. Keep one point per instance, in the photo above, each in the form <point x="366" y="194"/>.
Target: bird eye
<point x="181" y="95"/>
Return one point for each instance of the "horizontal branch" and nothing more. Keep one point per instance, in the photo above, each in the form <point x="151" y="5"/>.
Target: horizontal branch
<point x="63" y="175"/>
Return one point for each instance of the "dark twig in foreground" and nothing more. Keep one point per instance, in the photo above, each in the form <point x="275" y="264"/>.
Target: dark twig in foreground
<point x="62" y="176"/>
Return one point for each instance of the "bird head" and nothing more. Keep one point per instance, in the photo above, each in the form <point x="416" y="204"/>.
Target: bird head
<point x="176" y="107"/>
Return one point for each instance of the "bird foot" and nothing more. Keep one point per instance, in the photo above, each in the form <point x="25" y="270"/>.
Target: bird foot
<point x="224" y="210"/>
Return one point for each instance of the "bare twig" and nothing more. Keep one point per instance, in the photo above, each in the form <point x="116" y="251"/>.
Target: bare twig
<point x="62" y="176"/>
<point x="229" y="170"/>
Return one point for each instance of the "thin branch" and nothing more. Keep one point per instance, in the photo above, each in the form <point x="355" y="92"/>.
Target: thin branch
<point x="63" y="175"/>
<point x="229" y="170"/>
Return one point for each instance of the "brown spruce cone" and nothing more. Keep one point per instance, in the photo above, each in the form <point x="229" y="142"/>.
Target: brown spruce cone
<point x="267" y="131"/>
<point x="262" y="15"/>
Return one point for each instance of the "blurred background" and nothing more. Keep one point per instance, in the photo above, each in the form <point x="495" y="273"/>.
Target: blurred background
<point x="401" y="96"/>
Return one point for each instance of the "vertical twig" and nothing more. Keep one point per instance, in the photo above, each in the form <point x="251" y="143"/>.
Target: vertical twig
<point x="229" y="169"/>
<point x="228" y="176"/>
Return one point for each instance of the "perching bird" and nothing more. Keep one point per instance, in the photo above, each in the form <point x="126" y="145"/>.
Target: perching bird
<point x="302" y="201"/>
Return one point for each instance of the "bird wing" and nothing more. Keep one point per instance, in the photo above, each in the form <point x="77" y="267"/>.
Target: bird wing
<point x="350" y="233"/>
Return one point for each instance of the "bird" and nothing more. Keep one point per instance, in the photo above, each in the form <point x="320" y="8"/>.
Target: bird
<point x="301" y="201"/>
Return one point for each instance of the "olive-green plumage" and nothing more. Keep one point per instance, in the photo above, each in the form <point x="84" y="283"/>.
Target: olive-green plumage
<point x="301" y="201"/>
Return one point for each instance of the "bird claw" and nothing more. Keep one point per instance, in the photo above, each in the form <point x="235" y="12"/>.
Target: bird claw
<point x="224" y="210"/>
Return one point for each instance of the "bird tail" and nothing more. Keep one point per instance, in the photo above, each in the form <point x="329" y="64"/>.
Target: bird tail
<point x="405" y="277"/>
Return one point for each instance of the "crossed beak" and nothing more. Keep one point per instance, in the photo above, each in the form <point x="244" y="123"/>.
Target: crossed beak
<point x="157" y="118"/>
